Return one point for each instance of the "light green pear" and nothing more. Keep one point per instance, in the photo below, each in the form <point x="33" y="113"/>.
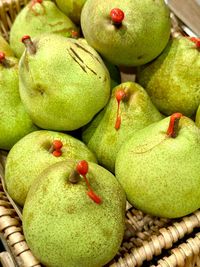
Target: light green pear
<point x="127" y="33"/>
<point x="14" y="122"/>
<point x="159" y="168"/>
<point x="81" y="231"/>
<point x="35" y="152"/>
<point x="136" y="111"/>
<point x="4" y="47"/>
<point x="172" y="80"/>
<point x="63" y="84"/>
<point x="72" y="8"/>
<point x="36" y="19"/>
<point x="197" y="119"/>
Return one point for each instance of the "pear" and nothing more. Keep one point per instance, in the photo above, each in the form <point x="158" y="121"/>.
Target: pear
<point x="159" y="167"/>
<point x="33" y="153"/>
<point x="172" y="80"/>
<point x="62" y="83"/>
<point x="128" y="33"/>
<point x="197" y="119"/>
<point x="129" y="110"/>
<point x="15" y="121"/>
<point x="5" y="48"/>
<point x="39" y="17"/>
<point x="72" y="8"/>
<point x="80" y="209"/>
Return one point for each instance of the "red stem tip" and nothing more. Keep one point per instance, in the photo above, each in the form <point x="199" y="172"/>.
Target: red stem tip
<point x="82" y="167"/>
<point x="25" y="37"/>
<point x="2" y="56"/>
<point x="117" y="15"/>
<point x="57" y="144"/>
<point x="196" y="41"/>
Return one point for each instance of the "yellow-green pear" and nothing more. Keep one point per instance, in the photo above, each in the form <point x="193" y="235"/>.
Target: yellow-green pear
<point x="172" y="80"/>
<point x="129" y="110"/>
<point x="63" y="83"/>
<point x="74" y="215"/>
<point x="159" y="167"/>
<point x="36" y="18"/>
<point x="128" y="32"/>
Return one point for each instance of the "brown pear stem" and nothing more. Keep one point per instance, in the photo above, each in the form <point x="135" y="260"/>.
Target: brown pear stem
<point x="29" y="44"/>
<point x="173" y="128"/>
<point x="4" y="61"/>
<point x="74" y="177"/>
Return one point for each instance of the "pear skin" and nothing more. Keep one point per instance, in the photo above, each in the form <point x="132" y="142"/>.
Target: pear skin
<point x="32" y="154"/>
<point x="39" y="18"/>
<point x="15" y="121"/>
<point x="197" y="119"/>
<point x="71" y="8"/>
<point x="160" y="173"/>
<point x="80" y="232"/>
<point x="172" y="80"/>
<point x="4" y="47"/>
<point x="135" y="112"/>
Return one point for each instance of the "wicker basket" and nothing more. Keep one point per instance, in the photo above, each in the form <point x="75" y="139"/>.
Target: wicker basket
<point x="148" y="240"/>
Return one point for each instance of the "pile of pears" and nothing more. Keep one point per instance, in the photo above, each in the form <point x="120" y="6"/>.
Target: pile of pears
<point x="80" y="142"/>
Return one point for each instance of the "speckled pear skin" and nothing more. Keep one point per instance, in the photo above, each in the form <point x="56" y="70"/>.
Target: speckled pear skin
<point x="31" y="155"/>
<point x="173" y="80"/>
<point x="72" y="8"/>
<point x="114" y="72"/>
<point x="64" y="84"/>
<point x="14" y="120"/>
<point x="38" y="19"/>
<point x="197" y="119"/>
<point x="4" y="47"/>
<point x="143" y="35"/>
<point x="136" y="113"/>
<point x="80" y="233"/>
<point x="160" y="174"/>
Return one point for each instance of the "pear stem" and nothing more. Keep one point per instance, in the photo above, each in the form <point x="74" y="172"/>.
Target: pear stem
<point x="26" y="40"/>
<point x="74" y="177"/>
<point x="4" y="61"/>
<point x="172" y="130"/>
<point x="82" y="169"/>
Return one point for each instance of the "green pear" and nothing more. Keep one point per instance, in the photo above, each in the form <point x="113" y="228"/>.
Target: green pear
<point x="120" y="119"/>
<point x="4" y="47"/>
<point x="159" y="167"/>
<point x="15" y="121"/>
<point x="197" y="119"/>
<point x="77" y="211"/>
<point x="72" y="8"/>
<point x="172" y="80"/>
<point x="128" y="33"/>
<point x="62" y="83"/>
<point x="39" y="17"/>
<point x="33" y="153"/>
